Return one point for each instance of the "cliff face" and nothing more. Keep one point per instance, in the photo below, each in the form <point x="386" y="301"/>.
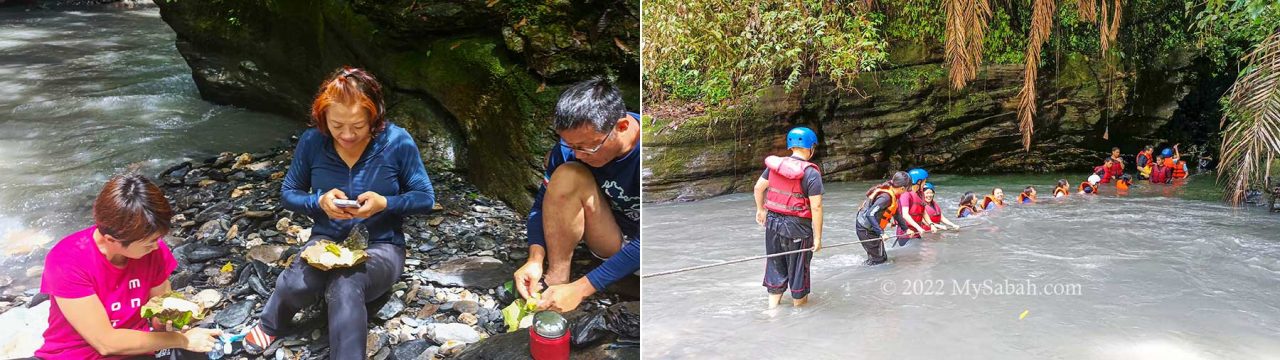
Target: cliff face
<point x="907" y="116"/>
<point x="475" y="82"/>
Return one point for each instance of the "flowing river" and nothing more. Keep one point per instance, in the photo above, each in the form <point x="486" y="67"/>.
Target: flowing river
<point x="1160" y="273"/>
<point x="84" y="93"/>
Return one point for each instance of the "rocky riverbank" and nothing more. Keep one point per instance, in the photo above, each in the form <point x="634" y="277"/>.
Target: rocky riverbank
<point x="232" y="239"/>
<point x="474" y="81"/>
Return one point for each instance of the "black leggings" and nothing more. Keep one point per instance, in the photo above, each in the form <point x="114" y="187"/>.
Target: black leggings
<point x="875" y="249"/>
<point x="346" y="290"/>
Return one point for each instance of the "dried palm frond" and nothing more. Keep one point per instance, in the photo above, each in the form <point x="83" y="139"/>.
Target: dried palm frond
<point x="1088" y="10"/>
<point x="1109" y="31"/>
<point x="1104" y="34"/>
<point x="1253" y="137"/>
<point x="966" y="27"/>
<point x="1041" y="24"/>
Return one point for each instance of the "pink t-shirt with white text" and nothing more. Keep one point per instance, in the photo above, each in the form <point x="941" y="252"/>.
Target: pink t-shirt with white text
<point x="75" y="268"/>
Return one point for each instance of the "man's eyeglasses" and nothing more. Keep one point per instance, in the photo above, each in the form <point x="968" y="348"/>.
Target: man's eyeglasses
<point x="594" y="149"/>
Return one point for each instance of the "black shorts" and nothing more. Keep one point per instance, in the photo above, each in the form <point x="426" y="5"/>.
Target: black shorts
<point x="787" y="233"/>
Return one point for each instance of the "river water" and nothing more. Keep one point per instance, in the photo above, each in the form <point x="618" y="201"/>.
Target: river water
<point x="84" y="92"/>
<point x="1155" y="274"/>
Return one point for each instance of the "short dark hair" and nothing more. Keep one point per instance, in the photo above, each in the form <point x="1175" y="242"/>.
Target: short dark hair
<point x="594" y="102"/>
<point x="901" y="179"/>
<point x="131" y="208"/>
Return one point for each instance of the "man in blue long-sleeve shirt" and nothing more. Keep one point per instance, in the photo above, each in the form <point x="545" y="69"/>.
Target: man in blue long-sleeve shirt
<point x="591" y="193"/>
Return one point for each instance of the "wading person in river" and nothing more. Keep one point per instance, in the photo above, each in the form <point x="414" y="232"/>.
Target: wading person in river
<point x="1116" y="168"/>
<point x="968" y="205"/>
<point x="934" y="221"/>
<point x="1028" y="195"/>
<point x="1063" y="189"/>
<point x="350" y="153"/>
<point x="789" y="205"/>
<point x="993" y="201"/>
<point x="99" y="278"/>
<point x="913" y="204"/>
<point x="1143" y="162"/>
<point x="876" y="213"/>
<point x="590" y="193"/>
<point x="1090" y="186"/>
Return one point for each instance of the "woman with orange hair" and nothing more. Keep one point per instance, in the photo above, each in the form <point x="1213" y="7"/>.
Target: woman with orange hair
<point x="351" y="153"/>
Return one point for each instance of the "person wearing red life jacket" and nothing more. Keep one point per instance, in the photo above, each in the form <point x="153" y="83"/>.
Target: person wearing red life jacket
<point x="788" y="199"/>
<point x="933" y="219"/>
<point x="1159" y="173"/>
<point x="911" y="202"/>
<point x="1116" y="169"/>
<point x="1104" y="171"/>
<point x="877" y="212"/>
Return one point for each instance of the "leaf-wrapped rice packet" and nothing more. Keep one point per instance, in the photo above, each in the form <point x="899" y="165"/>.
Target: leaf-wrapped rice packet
<point x="173" y="308"/>
<point x="326" y="255"/>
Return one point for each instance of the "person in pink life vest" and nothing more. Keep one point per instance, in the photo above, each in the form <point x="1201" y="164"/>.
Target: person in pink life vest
<point x="912" y="206"/>
<point x="933" y="220"/>
<point x="789" y="206"/>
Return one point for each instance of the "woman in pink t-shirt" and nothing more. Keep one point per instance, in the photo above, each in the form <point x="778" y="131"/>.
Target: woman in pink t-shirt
<point x="99" y="278"/>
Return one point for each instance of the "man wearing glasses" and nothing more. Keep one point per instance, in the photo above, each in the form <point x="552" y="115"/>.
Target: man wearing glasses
<point x="590" y="193"/>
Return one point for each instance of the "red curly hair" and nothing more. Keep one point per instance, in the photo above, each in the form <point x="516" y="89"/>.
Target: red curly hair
<point x="349" y="85"/>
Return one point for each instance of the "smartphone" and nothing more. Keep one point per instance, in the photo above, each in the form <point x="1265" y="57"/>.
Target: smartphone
<point x="346" y="203"/>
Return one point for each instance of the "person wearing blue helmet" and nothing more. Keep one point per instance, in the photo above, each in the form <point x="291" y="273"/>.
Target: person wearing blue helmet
<point x="788" y="198"/>
<point x="912" y="203"/>
<point x="918" y="176"/>
<point x="1173" y="161"/>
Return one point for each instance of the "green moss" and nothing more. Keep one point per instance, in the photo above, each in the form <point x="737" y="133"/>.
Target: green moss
<point x="495" y="103"/>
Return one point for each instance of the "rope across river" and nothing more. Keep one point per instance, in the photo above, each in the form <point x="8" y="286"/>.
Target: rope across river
<point x="735" y="261"/>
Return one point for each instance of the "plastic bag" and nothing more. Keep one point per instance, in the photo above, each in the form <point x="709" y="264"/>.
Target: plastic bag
<point x="622" y="319"/>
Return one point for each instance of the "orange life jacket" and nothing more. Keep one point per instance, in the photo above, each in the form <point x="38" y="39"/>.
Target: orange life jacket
<point x="987" y="200"/>
<point x="1180" y="169"/>
<point x="1062" y="190"/>
<point x="1123" y="185"/>
<point x="1143" y="158"/>
<point x="960" y="211"/>
<point x="893" y="204"/>
<point x="1086" y="185"/>
<point x="1023" y="197"/>
<point x="786" y="192"/>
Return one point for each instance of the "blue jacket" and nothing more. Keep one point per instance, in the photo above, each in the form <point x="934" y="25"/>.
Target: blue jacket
<point x="390" y="166"/>
<point x="619" y="180"/>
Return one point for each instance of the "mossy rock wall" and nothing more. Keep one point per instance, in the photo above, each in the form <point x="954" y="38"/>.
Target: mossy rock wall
<point x="906" y="116"/>
<point x="475" y="82"/>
